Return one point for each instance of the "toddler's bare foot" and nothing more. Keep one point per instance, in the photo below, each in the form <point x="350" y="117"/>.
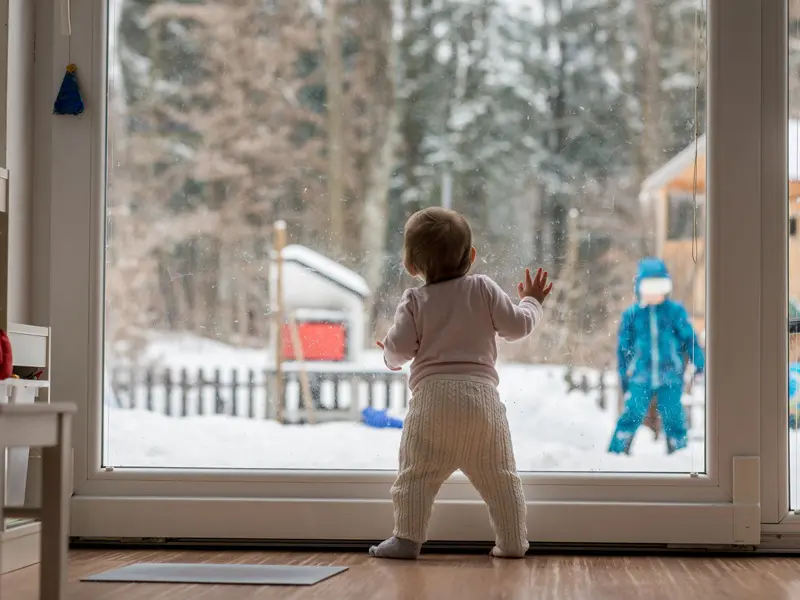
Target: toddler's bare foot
<point x="396" y="547"/>
<point x="497" y="553"/>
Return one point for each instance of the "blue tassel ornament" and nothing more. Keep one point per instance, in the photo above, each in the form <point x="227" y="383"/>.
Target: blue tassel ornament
<point x="69" y="101"/>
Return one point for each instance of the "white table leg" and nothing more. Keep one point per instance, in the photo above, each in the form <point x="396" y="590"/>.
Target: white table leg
<point x="56" y="494"/>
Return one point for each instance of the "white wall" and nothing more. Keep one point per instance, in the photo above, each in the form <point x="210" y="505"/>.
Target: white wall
<point x="19" y="155"/>
<point x="44" y="88"/>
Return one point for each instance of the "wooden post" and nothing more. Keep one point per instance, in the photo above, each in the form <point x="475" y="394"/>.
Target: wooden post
<point x="168" y="392"/>
<point x="148" y="384"/>
<point x="299" y="356"/>
<point x="278" y="318"/>
<point x="201" y="389"/>
<point x="234" y="391"/>
<point x="251" y="394"/>
<point x="219" y="404"/>
<point x="185" y="392"/>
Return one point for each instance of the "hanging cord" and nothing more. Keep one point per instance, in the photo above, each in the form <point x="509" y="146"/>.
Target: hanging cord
<point x="66" y="17"/>
<point x="699" y="46"/>
<point x="66" y="26"/>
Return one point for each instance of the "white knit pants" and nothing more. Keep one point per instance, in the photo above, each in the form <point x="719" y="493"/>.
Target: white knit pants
<point x="457" y="424"/>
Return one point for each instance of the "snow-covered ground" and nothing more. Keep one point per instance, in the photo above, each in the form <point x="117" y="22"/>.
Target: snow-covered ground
<point x="552" y="430"/>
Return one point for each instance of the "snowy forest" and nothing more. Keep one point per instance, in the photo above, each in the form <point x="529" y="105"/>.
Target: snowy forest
<point x="538" y="119"/>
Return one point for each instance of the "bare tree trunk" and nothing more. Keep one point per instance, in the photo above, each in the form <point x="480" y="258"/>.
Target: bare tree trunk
<point x="536" y="225"/>
<point x="225" y="289"/>
<point x="555" y="208"/>
<point x="380" y="65"/>
<point x="334" y="82"/>
<point x="240" y="318"/>
<point x="570" y="290"/>
<point x="650" y="73"/>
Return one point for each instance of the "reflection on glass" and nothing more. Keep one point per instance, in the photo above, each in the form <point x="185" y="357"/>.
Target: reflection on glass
<point x="264" y="156"/>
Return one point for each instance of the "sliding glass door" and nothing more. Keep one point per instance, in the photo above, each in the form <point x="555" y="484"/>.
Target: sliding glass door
<point x="780" y="317"/>
<point x="228" y="228"/>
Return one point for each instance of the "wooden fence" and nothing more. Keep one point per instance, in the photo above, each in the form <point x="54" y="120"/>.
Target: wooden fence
<point x="249" y="393"/>
<point x="336" y="395"/>
<point x="609" y="398"/>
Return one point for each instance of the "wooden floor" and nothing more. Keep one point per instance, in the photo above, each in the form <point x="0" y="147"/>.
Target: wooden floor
<point x="438" y="577"/>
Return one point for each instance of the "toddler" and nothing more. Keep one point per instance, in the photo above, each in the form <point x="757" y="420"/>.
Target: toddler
<point x="455" y="420"/>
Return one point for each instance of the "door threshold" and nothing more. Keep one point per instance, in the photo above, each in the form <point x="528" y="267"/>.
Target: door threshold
<point x="432" y="547"/>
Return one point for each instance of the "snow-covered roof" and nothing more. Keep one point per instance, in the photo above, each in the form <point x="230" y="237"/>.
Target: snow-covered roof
<point x="676" y="166"/>
<point x="319" y="314"/>
<point x="326" y="268"/>
<point x="685" y="158"/>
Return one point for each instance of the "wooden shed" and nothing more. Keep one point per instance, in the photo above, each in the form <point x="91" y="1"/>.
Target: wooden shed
<point x="327" y="300"/>
<point x="668" y="193"/>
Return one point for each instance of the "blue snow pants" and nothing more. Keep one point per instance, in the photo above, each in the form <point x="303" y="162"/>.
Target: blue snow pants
<point x="637" y="402"/>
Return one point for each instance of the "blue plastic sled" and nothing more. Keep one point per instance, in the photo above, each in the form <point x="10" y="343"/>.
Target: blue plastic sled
<point x="379" y="419"/>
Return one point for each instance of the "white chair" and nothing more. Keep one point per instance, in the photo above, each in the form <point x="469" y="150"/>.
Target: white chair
<point x="48" y="426"/>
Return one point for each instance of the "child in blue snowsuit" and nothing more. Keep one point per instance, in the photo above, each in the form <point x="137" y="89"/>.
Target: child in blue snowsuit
<point x="655" y="341"/>
<point x="794" y="401"/>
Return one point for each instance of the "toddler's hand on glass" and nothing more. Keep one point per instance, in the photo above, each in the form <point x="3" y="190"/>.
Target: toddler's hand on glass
<point x="381" y="346"/>
<point x="535" y="287"/>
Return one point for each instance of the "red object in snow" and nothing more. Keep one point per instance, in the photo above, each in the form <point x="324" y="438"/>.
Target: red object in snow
<point x="320" y="341"/>
<point x="6" y="356"/>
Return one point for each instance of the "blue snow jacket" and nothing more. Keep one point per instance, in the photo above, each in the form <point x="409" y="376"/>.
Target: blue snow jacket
<point x="794" y="376"/>
<point x="656" y="341"/>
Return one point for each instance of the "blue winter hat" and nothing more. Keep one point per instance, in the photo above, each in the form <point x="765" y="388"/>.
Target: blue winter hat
<point x="650" y="268"/>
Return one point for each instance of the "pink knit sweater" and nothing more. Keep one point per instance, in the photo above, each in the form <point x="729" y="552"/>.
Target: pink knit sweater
<point x="450" y="328"/>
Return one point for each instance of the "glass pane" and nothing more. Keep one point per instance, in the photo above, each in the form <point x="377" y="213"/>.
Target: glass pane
<point x="793" y="247"/>
<point x="264" y="156"/>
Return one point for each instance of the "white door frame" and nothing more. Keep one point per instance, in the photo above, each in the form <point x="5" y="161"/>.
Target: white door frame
<point x="721" y="507"/>
<point x="781" y="527"/>
<point x="774" y="266"/>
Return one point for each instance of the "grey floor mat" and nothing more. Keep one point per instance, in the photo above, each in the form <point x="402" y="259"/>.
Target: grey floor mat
<point x="218" y="574"/>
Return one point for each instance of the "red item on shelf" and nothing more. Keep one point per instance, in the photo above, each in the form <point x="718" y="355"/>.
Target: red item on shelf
<point x="6" y="356"/>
